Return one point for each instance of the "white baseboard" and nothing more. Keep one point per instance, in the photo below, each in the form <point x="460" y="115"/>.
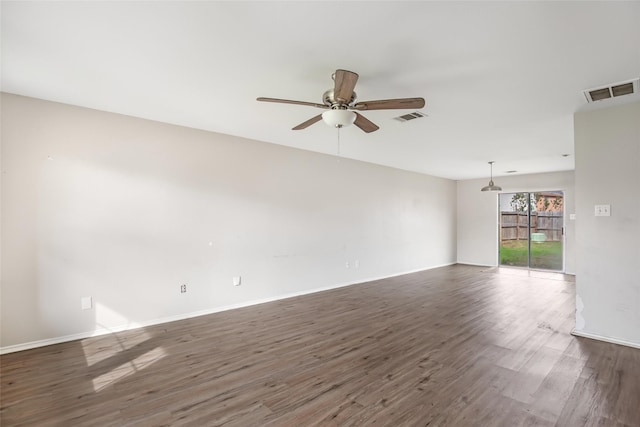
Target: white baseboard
<point x="605" y="339"/>
<point x="120" y="328"/>
<point x="476" y="264"/>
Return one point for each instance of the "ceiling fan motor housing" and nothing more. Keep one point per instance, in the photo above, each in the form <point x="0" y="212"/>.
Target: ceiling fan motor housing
<point x="329" y="99"/>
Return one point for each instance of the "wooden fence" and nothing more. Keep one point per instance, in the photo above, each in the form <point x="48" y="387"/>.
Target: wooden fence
<point x="513" y="225"/>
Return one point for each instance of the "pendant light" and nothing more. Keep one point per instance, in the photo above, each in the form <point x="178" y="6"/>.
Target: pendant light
<point x="491" y="186"/>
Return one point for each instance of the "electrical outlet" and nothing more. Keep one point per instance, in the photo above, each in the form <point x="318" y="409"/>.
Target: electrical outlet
<point x="346" y="264"/>
<point x="183" y="288"/>
<point x="356" y="263"/>
<point x="603" y="210"/>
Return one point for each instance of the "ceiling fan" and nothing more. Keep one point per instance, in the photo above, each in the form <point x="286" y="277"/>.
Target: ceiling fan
<point x="341" y="101"/>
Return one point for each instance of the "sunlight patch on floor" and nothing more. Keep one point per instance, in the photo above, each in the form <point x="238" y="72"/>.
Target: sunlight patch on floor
<point x="131" y="367"/>
<point x="101" y="348"/>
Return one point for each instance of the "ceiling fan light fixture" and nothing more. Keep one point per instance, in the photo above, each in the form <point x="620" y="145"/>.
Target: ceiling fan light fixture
<point x="339" y="118"/>
<point x="491" y="186"/>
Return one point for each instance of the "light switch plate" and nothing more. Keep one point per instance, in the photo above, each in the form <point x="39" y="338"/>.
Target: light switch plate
<point x="85" y="303"/>
<point x="572" y="217"/>
<point x="603" y="210"/>
<point x="237" y="281"/>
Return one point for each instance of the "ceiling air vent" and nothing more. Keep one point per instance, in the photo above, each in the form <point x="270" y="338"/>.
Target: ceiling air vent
<point x="612" y="91"/>
<point x="410" y="116"/>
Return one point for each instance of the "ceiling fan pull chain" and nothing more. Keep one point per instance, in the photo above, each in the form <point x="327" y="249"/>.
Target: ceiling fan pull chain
<point x="338" y="141"/>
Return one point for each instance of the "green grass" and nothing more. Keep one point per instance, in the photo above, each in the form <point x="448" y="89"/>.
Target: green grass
<point x="544" y="255"/>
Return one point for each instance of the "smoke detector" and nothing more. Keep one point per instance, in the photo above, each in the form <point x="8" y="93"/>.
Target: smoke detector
<point x="613" y="90"/>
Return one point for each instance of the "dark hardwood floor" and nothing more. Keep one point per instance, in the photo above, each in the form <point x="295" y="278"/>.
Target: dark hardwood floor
<point x="453" y="346"/>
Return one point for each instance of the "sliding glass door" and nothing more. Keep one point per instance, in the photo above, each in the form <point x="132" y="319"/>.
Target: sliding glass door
<point x="531" y="230"/>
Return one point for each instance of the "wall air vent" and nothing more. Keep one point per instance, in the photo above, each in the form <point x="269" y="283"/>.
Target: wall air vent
<point x="612" y="91"/>
<point x="410" y="116"/>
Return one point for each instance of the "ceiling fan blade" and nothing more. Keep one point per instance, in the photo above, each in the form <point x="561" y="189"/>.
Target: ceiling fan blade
<point x="289" y="101"/>
<point x="365" y="124"/>
<point x="308" y="123"/>
<point x="390" y="104"/>
<point x="344" y="83"/>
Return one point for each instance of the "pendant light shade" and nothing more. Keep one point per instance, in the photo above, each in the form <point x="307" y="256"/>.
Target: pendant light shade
<point x="491" y="186"/>
<point x="339" y="118"/>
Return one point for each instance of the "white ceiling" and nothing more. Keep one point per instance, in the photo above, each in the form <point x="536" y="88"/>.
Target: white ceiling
<point x="501" y="79"/>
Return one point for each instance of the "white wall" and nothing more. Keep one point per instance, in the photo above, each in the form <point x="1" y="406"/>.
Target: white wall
<point x="478" y="214"/>
<point x="125" y="210"/>
<point x="607" y="145"/>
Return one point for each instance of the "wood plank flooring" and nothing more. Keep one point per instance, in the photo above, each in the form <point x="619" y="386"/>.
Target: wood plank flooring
<point x="453" y="346"/>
